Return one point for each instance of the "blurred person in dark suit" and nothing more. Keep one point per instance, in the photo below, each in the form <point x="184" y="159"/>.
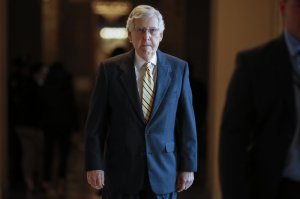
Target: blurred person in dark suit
<point x="17" y="72"/>
<point x="26" y="101"/>
<point x="60" y="120"/>
<point x="260" y="132"/>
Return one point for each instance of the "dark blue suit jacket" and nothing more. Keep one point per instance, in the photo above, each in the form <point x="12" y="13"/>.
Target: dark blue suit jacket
<point x="120" y="143"/>
<point x="259" y="123"/>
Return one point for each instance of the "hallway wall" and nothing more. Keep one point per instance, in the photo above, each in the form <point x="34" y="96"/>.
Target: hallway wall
<point x="3" y="80"/>
<point x="235" y="25"/>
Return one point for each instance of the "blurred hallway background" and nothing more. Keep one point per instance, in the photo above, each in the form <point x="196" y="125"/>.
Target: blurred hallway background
<point x="81" y="33"/>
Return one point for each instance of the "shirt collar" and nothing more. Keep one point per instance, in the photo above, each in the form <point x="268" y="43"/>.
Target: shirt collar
<point x="139" y="61"/>
<point x="292" y="43"/>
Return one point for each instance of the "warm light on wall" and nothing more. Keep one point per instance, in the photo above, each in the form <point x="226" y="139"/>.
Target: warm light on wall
<point x="111" y="10"/>
<point x="113" y="33"/>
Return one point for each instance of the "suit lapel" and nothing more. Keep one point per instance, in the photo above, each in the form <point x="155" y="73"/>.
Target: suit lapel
<point x="162" y="81"/>
<point x="128" y="80"/>
<point x="280" y="58"/>
<point x="285" y="72"/>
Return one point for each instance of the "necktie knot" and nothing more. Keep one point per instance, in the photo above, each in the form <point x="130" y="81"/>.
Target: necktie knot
<point x="147" y="65"/>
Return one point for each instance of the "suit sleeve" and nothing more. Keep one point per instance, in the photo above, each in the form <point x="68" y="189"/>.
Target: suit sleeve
<point x="186" y="127"/>
<point x="96" y="125"/>
<point x="237" y="125"/>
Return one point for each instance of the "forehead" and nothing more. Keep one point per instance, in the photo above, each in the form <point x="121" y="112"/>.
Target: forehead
<point x="146" y="22"/>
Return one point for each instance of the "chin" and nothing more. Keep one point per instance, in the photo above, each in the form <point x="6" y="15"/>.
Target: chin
<point x="147" y="55"/>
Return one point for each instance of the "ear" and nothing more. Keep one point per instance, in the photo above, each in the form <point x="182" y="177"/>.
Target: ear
<point x="129" y="37"/>
<point x="161" y="35"/>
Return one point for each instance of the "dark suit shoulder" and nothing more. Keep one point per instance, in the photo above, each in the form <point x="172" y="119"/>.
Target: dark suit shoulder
<point x="113" y="64"/>
<point x="170" y="58"/>
<point x="263" y="58"/>
<point x="121" y="58"/>
<point x="265" y="50"/>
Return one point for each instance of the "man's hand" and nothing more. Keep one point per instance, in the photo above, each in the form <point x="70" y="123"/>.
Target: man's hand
<point x="95" y="178"/>
<point x="184" y="180"/>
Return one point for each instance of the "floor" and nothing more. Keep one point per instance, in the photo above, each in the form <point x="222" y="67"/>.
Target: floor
<point x="77" y="188"/>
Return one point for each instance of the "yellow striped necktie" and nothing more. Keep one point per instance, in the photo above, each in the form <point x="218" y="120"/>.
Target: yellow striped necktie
<point x="147" y="93"/>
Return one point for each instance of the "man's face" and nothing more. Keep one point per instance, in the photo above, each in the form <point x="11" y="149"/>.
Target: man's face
<point x="290" y="10"/>
<point x="145" y="37"/>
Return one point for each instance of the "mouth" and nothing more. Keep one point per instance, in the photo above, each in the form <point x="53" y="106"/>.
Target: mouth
<point x="146" y="45"/>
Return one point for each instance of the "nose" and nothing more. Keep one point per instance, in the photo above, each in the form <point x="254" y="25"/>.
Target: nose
<point x="146" y="34"/>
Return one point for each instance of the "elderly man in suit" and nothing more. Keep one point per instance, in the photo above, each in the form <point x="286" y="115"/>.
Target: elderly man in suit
<point x="260" y="148"/>
<point x="140" y="135"/>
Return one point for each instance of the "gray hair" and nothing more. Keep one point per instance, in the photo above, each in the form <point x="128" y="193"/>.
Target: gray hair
<point x="143" y="11"/>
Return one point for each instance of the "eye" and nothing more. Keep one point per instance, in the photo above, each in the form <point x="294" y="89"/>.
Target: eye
<point x="153" y="30"/>
<point x="141" y="30"/>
